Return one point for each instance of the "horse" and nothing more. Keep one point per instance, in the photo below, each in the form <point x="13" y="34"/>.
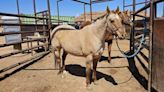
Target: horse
<point x="126" y="20"/>
<point x="88" y="42"/>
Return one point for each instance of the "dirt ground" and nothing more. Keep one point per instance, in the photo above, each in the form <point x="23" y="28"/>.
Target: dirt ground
<point x="117" y="76"/>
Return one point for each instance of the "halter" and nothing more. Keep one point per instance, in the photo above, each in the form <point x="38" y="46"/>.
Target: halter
<point x="114" y="31"/>
<point x="126" y="22"/>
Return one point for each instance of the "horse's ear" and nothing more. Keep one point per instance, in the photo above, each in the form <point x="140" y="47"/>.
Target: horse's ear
<point x="107" y="10"/>
<point x="126" y="12"/>
<point x="118" y="10"/>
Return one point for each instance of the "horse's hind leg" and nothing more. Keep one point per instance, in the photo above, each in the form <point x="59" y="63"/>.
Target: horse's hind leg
<point x="63" y="61"/>
<point x="57" y="58"/>
<point x="54" y="58"/>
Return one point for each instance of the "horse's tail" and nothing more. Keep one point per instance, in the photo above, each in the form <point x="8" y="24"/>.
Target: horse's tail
<point x="61" y="27"/>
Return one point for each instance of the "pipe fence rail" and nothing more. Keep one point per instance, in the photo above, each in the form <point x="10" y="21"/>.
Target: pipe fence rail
<point x="41" y="25"/>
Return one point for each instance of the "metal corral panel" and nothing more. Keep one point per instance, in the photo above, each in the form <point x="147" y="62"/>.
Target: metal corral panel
<point x="14" y="37"/>
<point x="158" y="55"/>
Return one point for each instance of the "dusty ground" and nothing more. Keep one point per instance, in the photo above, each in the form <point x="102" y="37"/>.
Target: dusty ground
<point x="117" y="76"/>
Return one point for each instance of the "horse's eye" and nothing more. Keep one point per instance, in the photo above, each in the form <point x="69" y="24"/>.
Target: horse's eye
<point x="111" y="21"/>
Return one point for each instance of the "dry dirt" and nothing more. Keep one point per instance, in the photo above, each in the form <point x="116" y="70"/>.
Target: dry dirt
<point x="117" y="76"/>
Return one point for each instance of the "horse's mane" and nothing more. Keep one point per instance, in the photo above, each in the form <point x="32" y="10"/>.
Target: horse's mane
<point x="86" y="23"/>
<point x="100" y="17"/>
<point x="61" y="27"/>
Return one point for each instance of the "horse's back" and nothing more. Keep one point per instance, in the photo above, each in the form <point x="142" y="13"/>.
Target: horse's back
<point x="61" y="27"/>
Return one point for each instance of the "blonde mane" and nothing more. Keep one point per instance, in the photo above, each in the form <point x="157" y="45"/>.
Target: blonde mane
<point x="61" y="27"/>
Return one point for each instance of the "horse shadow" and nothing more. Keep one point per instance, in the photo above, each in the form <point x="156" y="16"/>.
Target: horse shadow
<point x="104" y="58"/>
<point x="80" y="71"/>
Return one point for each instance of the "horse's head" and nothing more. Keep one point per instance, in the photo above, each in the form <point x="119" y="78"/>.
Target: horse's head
<point x="125" y="16"/>
<point x="115" y="24"/>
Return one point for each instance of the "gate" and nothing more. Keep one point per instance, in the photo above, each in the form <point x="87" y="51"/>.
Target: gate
<point x="153" y="30"/>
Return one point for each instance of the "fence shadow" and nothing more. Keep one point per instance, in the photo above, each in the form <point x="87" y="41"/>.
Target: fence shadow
<point x="78" y="70"/>
<point x="135" y="72"/>
<point x="20" y="68"/>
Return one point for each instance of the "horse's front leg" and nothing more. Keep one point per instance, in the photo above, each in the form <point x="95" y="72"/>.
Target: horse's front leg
<point x="109" y="50"/>
<point x="89" y="59"/>
<point x="95" y="61"/>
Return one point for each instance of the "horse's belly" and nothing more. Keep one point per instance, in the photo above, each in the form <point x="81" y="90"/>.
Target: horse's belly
<point x="74" y="51"/>
<point x="72" y="46"/>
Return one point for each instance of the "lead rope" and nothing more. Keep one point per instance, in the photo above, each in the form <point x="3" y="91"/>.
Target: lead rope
<point x="136" y="51"/>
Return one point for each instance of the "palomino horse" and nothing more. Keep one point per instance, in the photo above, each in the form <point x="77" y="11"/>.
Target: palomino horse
<point x="88" y="42"/>
<point x="126" y="20"/>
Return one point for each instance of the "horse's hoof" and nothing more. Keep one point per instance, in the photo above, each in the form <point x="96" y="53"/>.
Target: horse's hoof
<point x="89" y="88"/>
<point x="95" y="82"/>
<point x="60" y="72"/>
<point x="109" y="61"/>
<point x="64" y="74"/>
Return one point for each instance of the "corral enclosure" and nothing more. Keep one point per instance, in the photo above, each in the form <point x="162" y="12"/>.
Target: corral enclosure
<point x="30" y="68"/>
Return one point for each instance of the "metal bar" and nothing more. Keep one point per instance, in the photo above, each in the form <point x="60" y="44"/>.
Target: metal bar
<point x="91" y="9"/>
<point x="18" y="6"/>
<point x="21" y="51"/>
<point x="147" y="6"/>
<point x="81" y="2"/>
<point x="58" y="11"/>
<point x="100" y="1"/>
<point x="21" y="32"/>
<point x="163" y="9"/>
<point x="137" y="3"/>
<point x="151" y="43"/>
<point x="143" y="8"/>
<point x="84" y="13"/>
<point x="34" y="58"/>
<point x="146" y="9"/>
<point x="44" y="27"/>
<point x="34" y="5"/>
<point x="141" y="16"/>
<point x="49" y="22"/>
<point x="9" y="44"/>
<point x="19" y="14"/>
<point x="132" y="31"/>
<point x="42" y="12"/>
<point x="123" y="5"/>
<point x="18" y="10"/>
<point x="16" y="15"/>
<point x="11" y="24"/>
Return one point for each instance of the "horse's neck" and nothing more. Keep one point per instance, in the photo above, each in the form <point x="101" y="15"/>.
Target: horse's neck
<point x="99" y="28"/>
